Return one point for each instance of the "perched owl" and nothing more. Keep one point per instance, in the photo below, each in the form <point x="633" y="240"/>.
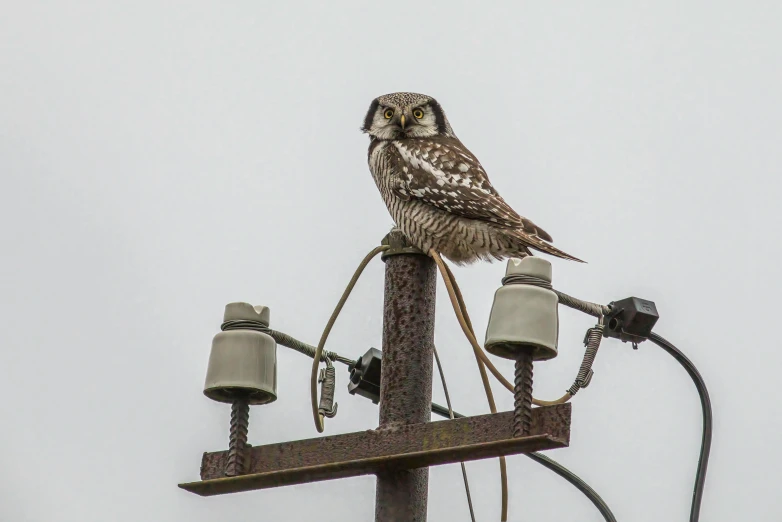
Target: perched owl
<point x="436" y="190"/>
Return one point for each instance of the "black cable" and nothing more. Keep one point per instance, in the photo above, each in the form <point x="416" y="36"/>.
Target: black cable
<point x="703" y="458"/>
<point x="452" y="416"/>
<point x="576" y="481"/>
<point x="554" y="466"/>
<point x="442" y="411"/>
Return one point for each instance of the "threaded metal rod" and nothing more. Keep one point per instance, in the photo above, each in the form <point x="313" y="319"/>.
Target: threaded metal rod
<point x="522" y="394"/>
<point x="237" y="443"/>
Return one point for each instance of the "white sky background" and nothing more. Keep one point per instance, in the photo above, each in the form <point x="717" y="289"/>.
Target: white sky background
<point x="160" y="160"/>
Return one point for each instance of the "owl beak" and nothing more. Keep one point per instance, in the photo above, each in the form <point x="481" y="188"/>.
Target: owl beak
<point x="402" y="121"/>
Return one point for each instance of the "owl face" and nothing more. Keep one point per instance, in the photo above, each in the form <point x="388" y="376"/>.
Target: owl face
<point x="405" y="115"/>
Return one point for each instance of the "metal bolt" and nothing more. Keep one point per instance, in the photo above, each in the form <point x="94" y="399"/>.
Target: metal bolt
<point x="237" y="443"/>
<point x="522" y="393"/>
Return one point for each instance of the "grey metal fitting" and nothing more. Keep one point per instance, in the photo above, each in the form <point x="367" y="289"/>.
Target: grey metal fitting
<point x="243" y="361"/>
<point x="524" y="315"/>
<point x="398" y="245"/>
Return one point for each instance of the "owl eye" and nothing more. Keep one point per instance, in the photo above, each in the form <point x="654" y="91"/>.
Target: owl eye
<point x="418" y="113"/>
<point x="388" y="114"/>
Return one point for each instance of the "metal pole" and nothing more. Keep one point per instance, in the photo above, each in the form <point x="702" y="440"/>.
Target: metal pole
<point x="406" y="371"/>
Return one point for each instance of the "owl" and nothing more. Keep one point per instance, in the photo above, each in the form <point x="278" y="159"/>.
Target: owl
<point x="437" y="191"/>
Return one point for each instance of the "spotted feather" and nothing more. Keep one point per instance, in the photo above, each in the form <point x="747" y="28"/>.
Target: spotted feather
<point x="443" y="173"/>
<point x="436" y="190"/>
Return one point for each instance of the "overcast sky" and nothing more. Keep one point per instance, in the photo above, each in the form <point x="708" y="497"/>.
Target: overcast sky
<point x="161" y="159"/>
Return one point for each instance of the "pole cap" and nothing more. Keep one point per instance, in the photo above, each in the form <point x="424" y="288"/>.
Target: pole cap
<point x="530" y="266"/>
<point x="247" y="312"/>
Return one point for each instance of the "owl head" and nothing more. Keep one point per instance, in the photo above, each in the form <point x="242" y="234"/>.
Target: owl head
<point x="406" y="115"/>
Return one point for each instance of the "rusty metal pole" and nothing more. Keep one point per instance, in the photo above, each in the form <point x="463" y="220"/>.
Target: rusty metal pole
<point x="406" y="371"/>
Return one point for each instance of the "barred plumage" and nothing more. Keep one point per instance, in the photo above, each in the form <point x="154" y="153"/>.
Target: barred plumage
<point x="436" y="190"/>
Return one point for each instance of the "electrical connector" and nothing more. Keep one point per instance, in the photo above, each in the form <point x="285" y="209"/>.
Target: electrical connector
<point x="365" y="375"/>
<point x="631" y="320"/>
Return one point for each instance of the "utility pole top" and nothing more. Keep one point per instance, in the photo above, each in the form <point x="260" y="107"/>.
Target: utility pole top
<point x="405" y="443"/>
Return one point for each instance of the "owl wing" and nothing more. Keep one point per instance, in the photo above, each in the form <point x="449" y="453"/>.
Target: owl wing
<point x="443" y="173"/>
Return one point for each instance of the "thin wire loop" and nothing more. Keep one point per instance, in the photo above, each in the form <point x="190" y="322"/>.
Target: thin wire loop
<point x="316" y="415"/>
<point x="460" y="309"/>
<point x="461" y="314"/>
<point x="457" y="300"/>
<point x="451" y="415"/>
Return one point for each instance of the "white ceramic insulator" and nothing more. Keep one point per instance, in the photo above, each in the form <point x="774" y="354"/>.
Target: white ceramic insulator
<point x="524" y="316"/>
<point x="243" y="362"/>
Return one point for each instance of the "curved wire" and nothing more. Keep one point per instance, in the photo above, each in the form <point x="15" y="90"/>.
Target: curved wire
<point x="451" y="416"/>
<point x="576" y="481"/>
<point x="457" y="301"/>
<point x="554" y="466"/>
<point x="703" y="393"/>
<point x="483" y="361"/>
<point x="317" y="417"/>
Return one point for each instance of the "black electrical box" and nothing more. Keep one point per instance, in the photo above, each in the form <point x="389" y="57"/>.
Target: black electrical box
<point x="631" y="319"/>
<point x="365" y="375"/>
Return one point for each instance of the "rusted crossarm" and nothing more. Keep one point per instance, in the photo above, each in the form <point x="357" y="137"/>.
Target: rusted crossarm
<point x="396" y="448"/>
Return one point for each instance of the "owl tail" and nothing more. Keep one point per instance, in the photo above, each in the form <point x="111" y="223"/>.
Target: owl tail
<point x="538" y="244"/>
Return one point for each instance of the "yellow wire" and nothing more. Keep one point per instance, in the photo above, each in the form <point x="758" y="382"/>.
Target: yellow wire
<point x="317" y="417"/>
<point x="457" y="301"/>
<point x="460" y="308"/>
<point x="464" y="320"/>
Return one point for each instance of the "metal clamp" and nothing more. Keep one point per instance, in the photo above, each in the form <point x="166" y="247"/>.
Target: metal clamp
<point x="398" y="245"/>
<point x="327" y="380"/>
